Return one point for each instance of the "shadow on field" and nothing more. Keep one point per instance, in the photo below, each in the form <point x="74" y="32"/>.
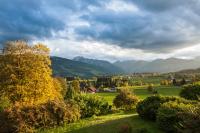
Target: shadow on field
<point x="113" y="126"/>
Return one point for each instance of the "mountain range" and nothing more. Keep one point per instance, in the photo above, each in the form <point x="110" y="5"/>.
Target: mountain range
<point x="84" y="67"/>
<point x="159" y="65"/>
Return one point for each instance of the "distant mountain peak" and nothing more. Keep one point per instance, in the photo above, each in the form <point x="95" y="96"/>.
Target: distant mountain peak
<point x="78" y="58"/>
<point x="84" y="59"/>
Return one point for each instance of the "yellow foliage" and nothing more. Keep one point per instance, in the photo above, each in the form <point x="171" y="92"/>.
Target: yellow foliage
<point x="76" y="85"/>
<point x="25" y="73"/>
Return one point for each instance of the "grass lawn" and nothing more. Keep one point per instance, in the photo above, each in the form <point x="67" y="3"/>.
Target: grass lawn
<point x="151" y="79"/>
<point x="108" y="96"/>
<point x="106" y="124"/>
<point x="162" y="90"/>
<point x="142" y="92"/>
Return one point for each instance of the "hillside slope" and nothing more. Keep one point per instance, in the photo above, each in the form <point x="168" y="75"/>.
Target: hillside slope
<point x="100" y="63"/>
<point x="66" y="67"/>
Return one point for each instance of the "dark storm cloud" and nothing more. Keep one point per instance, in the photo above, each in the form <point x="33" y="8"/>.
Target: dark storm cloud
<point x="25" y="19"/>
<point x="156" y="25"/>
<point x="33" y="19"/>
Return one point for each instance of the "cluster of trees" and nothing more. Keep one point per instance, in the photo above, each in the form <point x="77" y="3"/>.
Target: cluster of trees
<point x="174" y="82"/>
<point x="191" y="92"/>
<point x="118" y="82"/>
<point x="165" y="82"/>
<point x="101" y="83"/>
<point x="81" y="85"/>
<point x="29" y="90"/>
<point x="104" y="82"/>
<point x="173" y="114"/>
<point x="179" y="82"/>
<point x="30" y="98"/>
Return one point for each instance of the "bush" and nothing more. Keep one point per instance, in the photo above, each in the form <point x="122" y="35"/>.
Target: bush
<point x="4" y="103"/>
<point x="190" y="120"/>
<point x="168" y="116"/>
<point x="164" y="82"/>
<point x="191" y="92"/>
<point x="92" y="105"/>
<point x="125" y="100"/>
<point x="150" y="88"/>
<point x="148" y="108"/>
<point x="28" y="118"/>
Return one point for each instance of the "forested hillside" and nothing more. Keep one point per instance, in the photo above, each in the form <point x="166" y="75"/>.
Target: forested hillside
<point x="67" y="67"/>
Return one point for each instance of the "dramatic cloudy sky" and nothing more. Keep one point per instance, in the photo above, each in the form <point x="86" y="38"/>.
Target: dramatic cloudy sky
<point x="106" y="29"/>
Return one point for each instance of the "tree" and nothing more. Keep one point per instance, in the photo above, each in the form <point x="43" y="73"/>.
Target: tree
<point x="191" y="92"/>
<point x="60" y="85"/>
<point x="125" y="100"/>
<point x="183" y="81"/>
<point x="76" y="85"/>
<point x="71" y="93"/>
<point x="174" y="82"/>
<point x="164" y="82"/>
<point x="25" y="73"/>
<point x="150" y="88"/>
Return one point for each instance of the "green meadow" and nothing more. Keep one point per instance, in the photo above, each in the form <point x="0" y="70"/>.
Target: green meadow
<point x="141" y="92"/>
<point x="110" y="123"/>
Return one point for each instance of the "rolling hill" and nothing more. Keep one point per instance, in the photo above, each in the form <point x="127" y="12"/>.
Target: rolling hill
<point x="66" y="67"/>
<point x="100" y="63"/>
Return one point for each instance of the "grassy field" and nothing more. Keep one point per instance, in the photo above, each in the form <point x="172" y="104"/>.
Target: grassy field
<point x="111" y="123"/>
<point x="106" y="124"/>
<point x="142" y="92"/>
<point x="151" y="79"/>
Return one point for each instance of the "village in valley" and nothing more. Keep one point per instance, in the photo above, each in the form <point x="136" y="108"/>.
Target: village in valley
<point x="99" y="66"/>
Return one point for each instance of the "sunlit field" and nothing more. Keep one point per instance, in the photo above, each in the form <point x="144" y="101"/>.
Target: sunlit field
<point x="106" y="124"/>
<point x="111" y="122"/>
<point x="141" y="92"/>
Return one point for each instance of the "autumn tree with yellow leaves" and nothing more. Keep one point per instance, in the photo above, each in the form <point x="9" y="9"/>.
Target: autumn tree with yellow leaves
<point x="25" y="73"/>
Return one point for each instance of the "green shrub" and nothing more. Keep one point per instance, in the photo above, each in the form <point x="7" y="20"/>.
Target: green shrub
<point x="150" y="88"/>
<point x="190" y="120"/>
<point x="4" y="103"/>
<point x="191" y="92"/>
<point x="148" y="108"/>
<point x="125" y="100"/>
<point x="168" y="116"/>
<point x="92" y="105"/>
<point x="28" y="118"/>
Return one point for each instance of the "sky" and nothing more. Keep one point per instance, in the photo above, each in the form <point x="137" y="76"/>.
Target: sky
<point x="106" y="29"/>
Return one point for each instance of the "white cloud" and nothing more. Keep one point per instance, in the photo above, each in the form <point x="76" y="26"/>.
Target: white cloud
<point x="121" y="6"/>
<point x="97" y="50"/>
<point x="187" y="52"/>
